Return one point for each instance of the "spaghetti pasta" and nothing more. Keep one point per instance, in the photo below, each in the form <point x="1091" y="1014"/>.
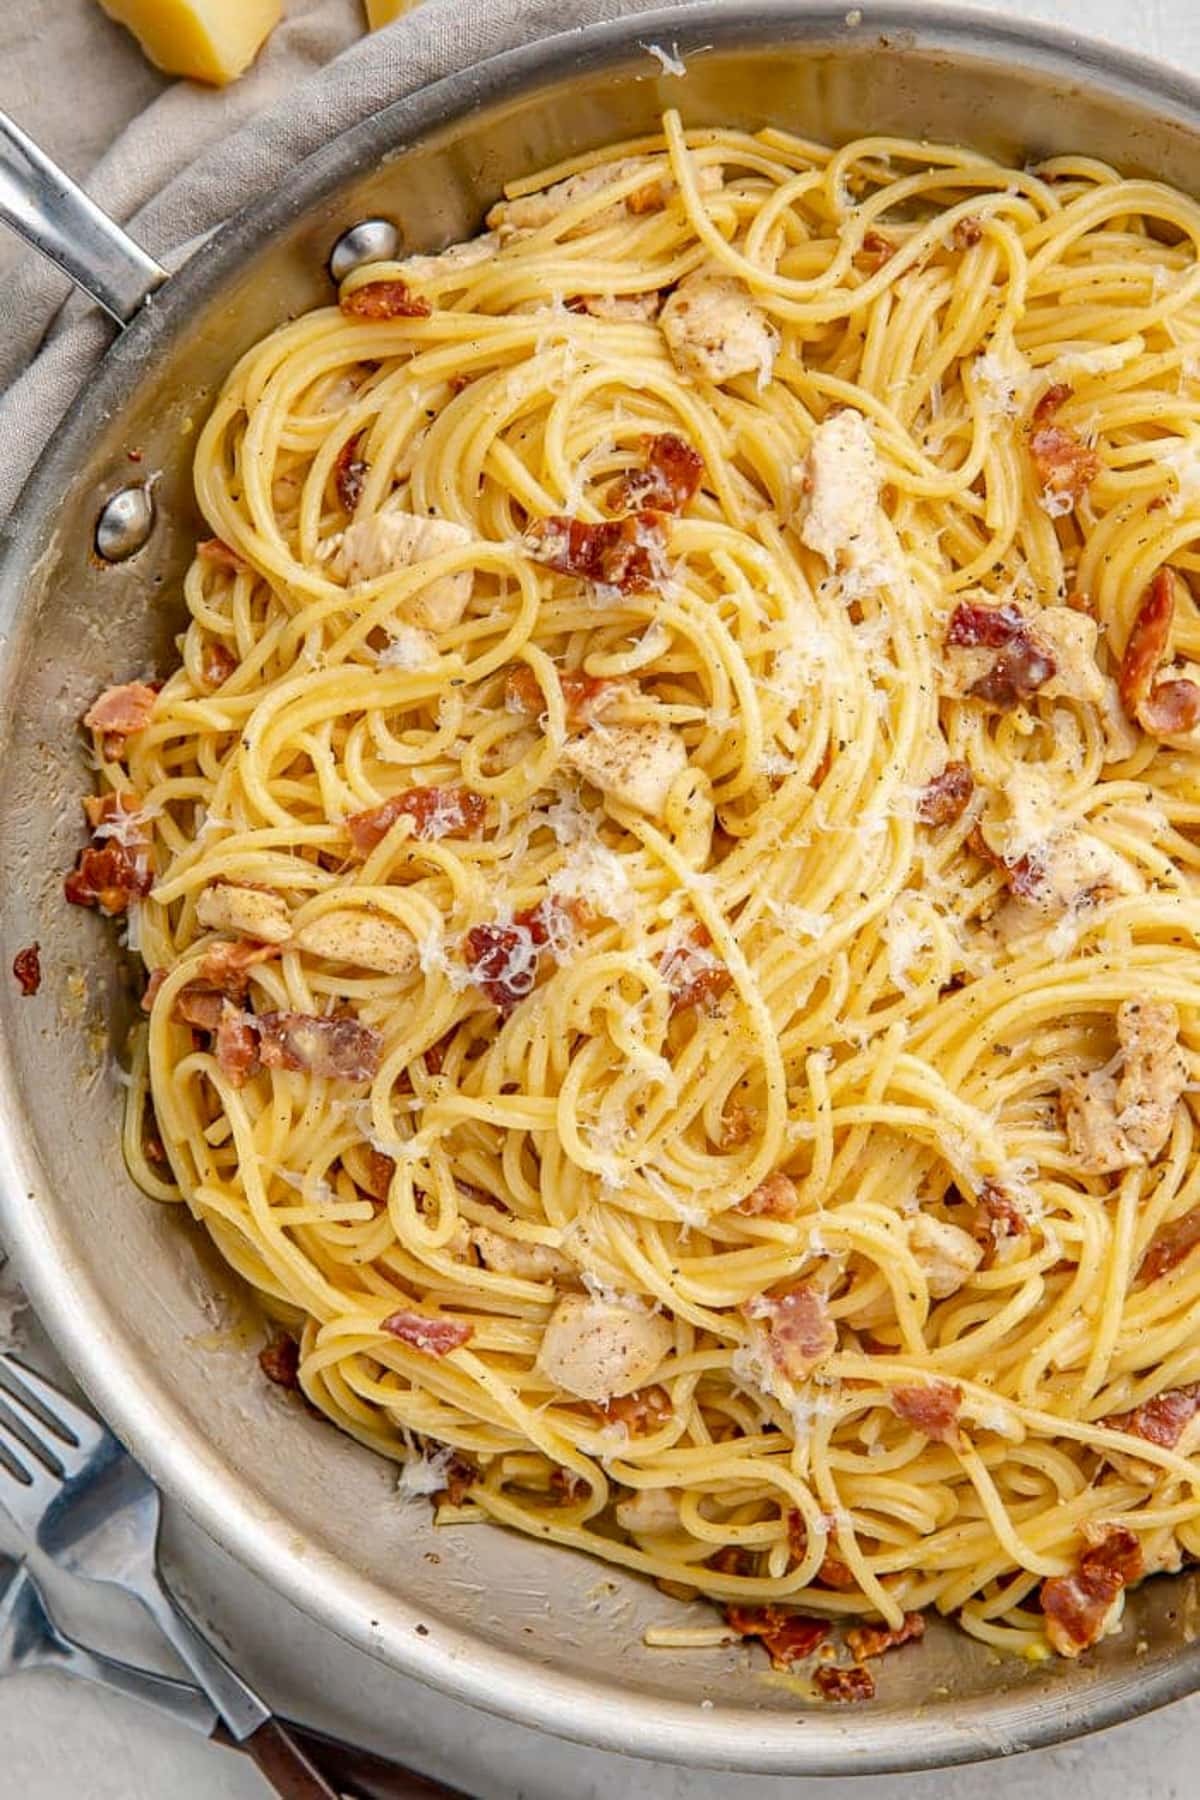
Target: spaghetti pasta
<point x="672" y="909"/>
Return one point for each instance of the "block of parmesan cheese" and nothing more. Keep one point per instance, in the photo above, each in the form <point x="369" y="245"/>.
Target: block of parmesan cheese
<point x="382" y="12"/>
<point x="208" y="40"/>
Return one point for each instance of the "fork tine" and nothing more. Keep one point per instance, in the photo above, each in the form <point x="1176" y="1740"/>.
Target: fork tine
<point x="62" y="1415"/>
<point x="30" y="1486"/>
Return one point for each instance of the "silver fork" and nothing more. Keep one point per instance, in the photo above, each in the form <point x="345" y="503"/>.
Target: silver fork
<point x="29" y="1639"/>
<point x="69" y="1484"/>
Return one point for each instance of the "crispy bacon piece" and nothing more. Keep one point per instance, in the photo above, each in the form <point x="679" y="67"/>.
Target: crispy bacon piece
<point x="199" y="1006"/>
<point x="628" y="554"/>
<point x="431" y="1336"/>
<point x="583" y="695"/>
<point x="730" y="1559"/>
<point x="1078" y="1608"/>
<point x="876" y="249"/>
<point x="787" y="1637"/>
<point x="235" y="1044"/>
<point x="379" y="1171"/>
<point x="1161" y="708"/>
<point x="1147" y="641"/>
<point x="1023" y="664"/>
<point x="460" y="1477"/>
<point x="671" y="477"/>
<point x="693" y="976"/>
<point x="774" y="1198"/>
<point x="865" y="1641"/>
<point x="384" y="300"/>
<point x="280" y="1362"/>
<point x="702" y="990"/>
<point x="1048" y="404"/>
<point x="27" y="967"/>
<point x="1064" y="463"/>
<point x="646" y="199"/>
<point x="1171" y="708"/>
<point x="1004" y="1216"/>
<point x="833" y="1572"/>
<point x="1017" y="672"/>
<point x="1161" y="1420"/>
<point x="339" y="1048"/>
<point x="107" y="877"/>
<point x="121" y="712"/>
<point x="350" y="472"/>
<point x="974" y="626"/>
<point x="947" y="796"/>
<point x="222" y="555"/>
<point x="645" y="1410"/>
<point x="967" y="232"/>
<point x="111" y="809"/>
<point x="218" y="664"/>
<point x="1173" y="1243"/>
<point x="1114" y="1547"/>
<point x="436" y="812"/>
<point x="227" y="965"/>
<point x="504" y="960"/>
<point x="932" y="1408"/>
<point x="844" y="1686"/>
<point x="800" y="1332"/>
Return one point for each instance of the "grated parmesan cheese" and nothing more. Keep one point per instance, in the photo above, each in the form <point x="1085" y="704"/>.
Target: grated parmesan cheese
<point x="409" y="648"/>
<point x="596" y="875"/>
<point x="669" y="61"/>
<point x="425" y="1474"/>
<point x="1005" y="378"/>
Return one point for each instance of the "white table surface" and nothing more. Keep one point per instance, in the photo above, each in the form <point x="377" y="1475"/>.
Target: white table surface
<point x="60" y="1739"/>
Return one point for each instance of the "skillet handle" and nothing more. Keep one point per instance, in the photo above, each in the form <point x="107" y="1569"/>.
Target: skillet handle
<point x="41" y="203"/>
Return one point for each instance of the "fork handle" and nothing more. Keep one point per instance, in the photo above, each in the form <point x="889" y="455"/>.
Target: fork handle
<point x="239" y="1706"/>
<point x="250" y="1721"/>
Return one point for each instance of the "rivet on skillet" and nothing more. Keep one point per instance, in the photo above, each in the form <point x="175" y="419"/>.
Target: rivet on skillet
<point x="125" y="523"/>
<point x="371" y="240"/>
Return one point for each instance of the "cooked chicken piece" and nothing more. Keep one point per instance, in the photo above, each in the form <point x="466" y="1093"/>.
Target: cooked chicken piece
<point x="599" y="1349"/>
<point x="363" y="938"/>
<point x="455" y="259"/>
<point x="533" y="211"/>
<point x="514" y="1256"/>
<point x="945" y="1254"/>
<point x="636" y="764"/>
<point x="1074" y="866"/>
<point x="1094" y="1135"/>
<point x="650" y="1512"/>
<point x="389" y="541"/>
<point x="1116" y="1123"/>
<point x="1154" y="1072"/>
<point x="622" y="309"/>
<point x="840" y="483"/>
<point x="244" y="912"/>
<point x="1054" y="864"/>
<point x="1071" y="638"/>
<point x="715" y="329"/>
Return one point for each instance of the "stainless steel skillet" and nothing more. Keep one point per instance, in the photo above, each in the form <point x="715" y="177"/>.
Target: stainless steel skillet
<point x="135" y="1298"/>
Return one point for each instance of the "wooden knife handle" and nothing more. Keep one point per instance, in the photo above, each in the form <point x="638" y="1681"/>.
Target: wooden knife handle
<point x="285" y="1765"/>
<point x="355" y="1773"/>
